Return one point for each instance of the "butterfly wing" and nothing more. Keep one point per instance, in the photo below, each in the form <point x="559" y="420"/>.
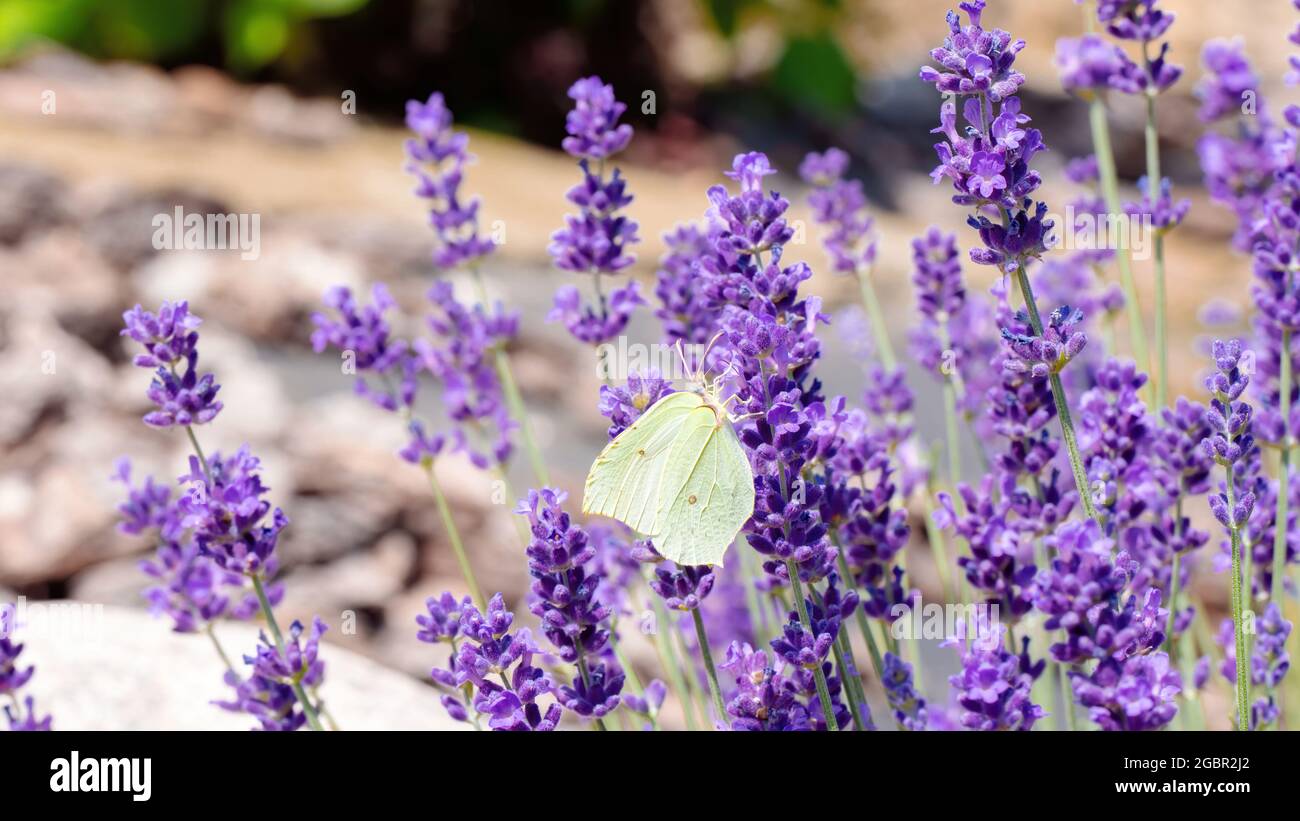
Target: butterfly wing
<point x="707" y="493"/>
<point x="624" y="481"/>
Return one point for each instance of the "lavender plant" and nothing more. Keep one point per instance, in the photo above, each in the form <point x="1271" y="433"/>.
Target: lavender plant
<point x="1098" y="599"/>
<point x="20" y="710"/>
<point x="216" y="536"/>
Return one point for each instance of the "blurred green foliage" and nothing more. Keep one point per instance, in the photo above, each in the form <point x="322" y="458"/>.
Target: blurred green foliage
<point x="252" y="33"/>
<point x="813" y="72"/>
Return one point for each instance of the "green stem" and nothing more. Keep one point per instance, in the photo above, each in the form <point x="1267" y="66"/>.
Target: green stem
<point x="633" y="679"/>
<point x="453" y="534"/>
<point x="1062" y="407"/>
<point x="1067" y="699"/>
<point x="519" y="411"/>
<point x="308" y="710"/>
<point x="1280" y="525"/>
<point x="675" y="679"/>
<point x="709" y="669"/>
<point x="848" y="675"/>
<point x="757" y="619"/>
<point x="876" y="317"/>
<point x="1176" y="571"/>
<point x="1152" y="137"/>
<point x="1239" y="634"/>
<point x="514" y="399"/>
<point x="823" y="690"/>
<point x="689" y="671"/>
<point x="198" y="451"/>
<point x="1114" y="208"/>
<point x="585" y="675"/>
<point x="863" y="626"/>
<point x="216" y="644"/>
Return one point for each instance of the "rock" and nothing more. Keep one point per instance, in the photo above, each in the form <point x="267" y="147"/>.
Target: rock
<point x="361" y="581"/>
<point x="123" y="670"/>
<point x="43" y="370"/>
<point x="30" y="201"/>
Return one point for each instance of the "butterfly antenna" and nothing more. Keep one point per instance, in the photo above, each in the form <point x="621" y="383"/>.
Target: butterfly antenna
<point x="686" y="366"/>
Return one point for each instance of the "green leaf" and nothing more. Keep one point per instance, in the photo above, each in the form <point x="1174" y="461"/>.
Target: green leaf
<point x="813" y="72"/>
<point x="256" y="34"/>
<point x="323" y="8"/>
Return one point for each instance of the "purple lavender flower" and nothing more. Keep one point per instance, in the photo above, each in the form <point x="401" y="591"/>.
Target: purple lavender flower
<point x="227" y="514"/>
<point x="27" y="720"/>
<point x="1229" y="80"/>
<point x="1041" y="356"/>
<point x="489" y="669"/>
<point x="840" y="206"/>
<point x="594" y="130"/>
<point x="686" y="312"/>
<point x="649" y="704"/>
<point x="461" y="357"/>
<point x="1231" y="438"/>
<point x="365" y="336"/>
<point x="624" y="405"/>
<point x="438" y="158"/>
<point x="566" y="596"/>
<point x="597" y="694"/>
<point x="993" y="687"/>
<point x="595" y="240"/>
<point x="1139" y="693"/>
<point x="442" y="621"/>
<point x="297" y="662"/>
<point x="12" y="677"/>
<point x="190" y="588"/>
<point x="682" y="587"/>
<point x="975" y="60"/>
<point x="907" y="704"/>
<point x="1134" y="19"/>
<point x="280" y="671"/>
<point x="168" y="337"/>
<point x="1088" y="63"/>
<point x="273" y="704"/>
<point x="1269" y="658"/>
<point x="764" y="699"/>
<point x="587" y="324"/>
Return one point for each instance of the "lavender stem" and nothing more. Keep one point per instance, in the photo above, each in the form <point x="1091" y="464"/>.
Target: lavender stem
<point x="518" y="410"/>
<point x="670" y="665"/>
<point x="453" y="534"/>
<point x="1110" y="192"/>
<point x="823" y="690"/>
<point x="863" y="626"/>
<point x="308" y="710"/>
<point x="1239" y="634"/>
<point x="870" y="301"/>
<point x="1283" y="471"/>
<point x="1152" y="138"/>
<point x="709" y="669"/>
<point x="1062" y="407"/>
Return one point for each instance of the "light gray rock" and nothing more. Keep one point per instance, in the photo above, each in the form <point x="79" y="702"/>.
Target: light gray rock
<point x="112" y="668"/>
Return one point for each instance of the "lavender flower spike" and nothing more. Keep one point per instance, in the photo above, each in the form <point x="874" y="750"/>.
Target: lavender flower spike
<point x="595" y="240"/>
<point x="14" y="677"/>
<point x="1230" y="443"/>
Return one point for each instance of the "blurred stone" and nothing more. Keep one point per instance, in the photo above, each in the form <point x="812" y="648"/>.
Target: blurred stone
<point x="30" y="201"/>
<point x="118" y="582"/>
<point x="128" y="671"/>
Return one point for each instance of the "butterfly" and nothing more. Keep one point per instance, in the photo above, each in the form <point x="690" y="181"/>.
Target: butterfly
<point x="677" y="475"/>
